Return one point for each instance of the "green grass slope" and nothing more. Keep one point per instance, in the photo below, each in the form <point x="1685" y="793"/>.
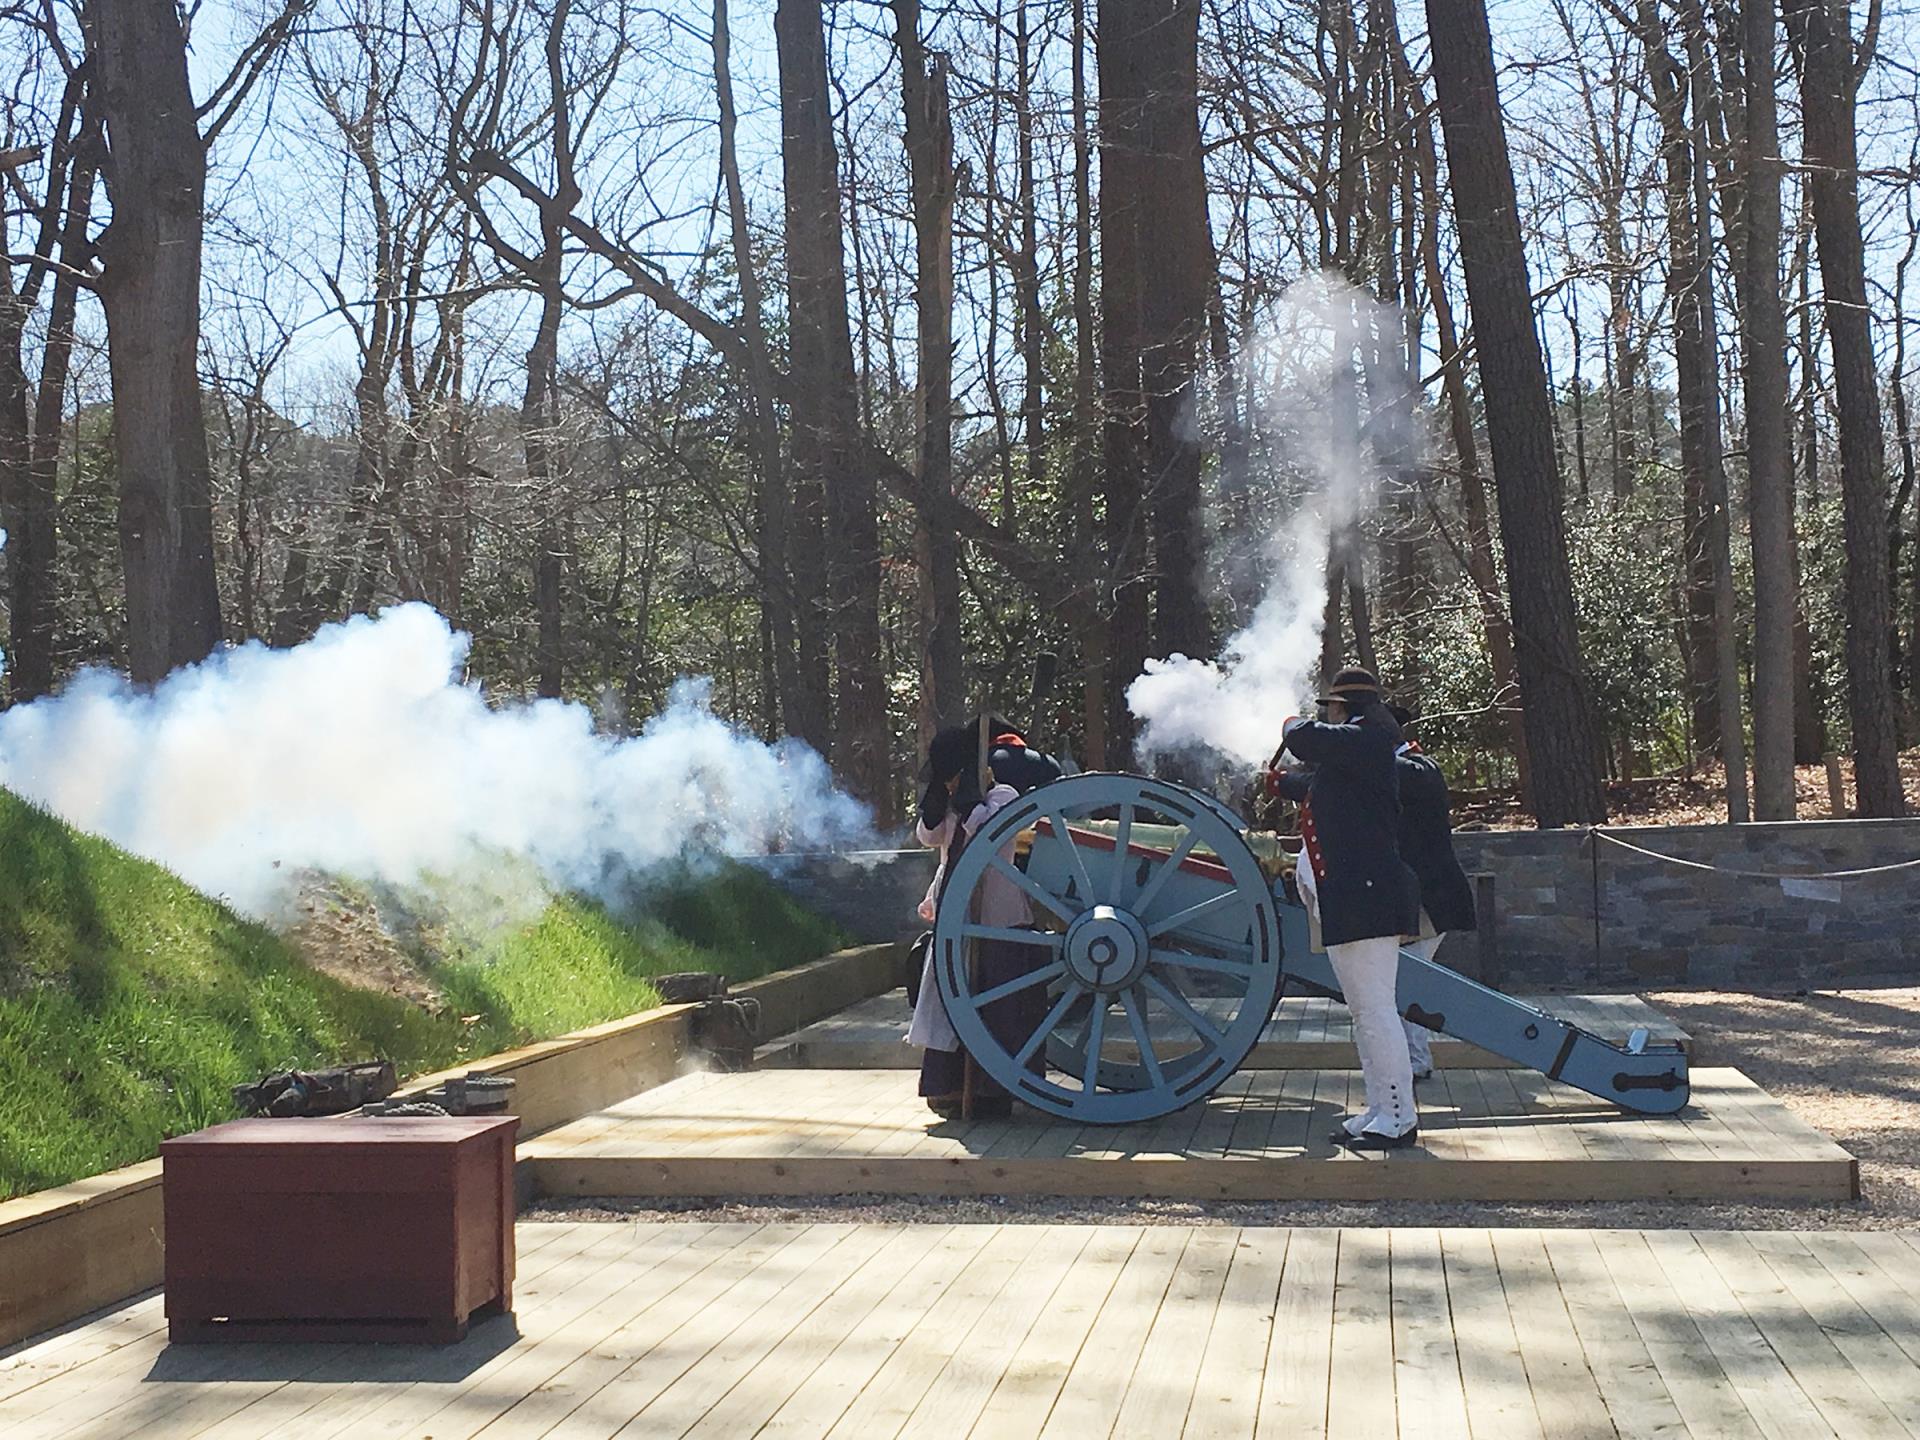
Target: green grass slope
<point x="130" y="1003"/>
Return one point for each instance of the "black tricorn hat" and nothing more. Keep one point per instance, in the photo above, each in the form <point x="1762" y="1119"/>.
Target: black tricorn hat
<point x="1352" y="686"/>
<point x="956" y="749"/>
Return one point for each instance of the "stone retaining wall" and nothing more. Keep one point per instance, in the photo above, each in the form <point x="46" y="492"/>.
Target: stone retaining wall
<point x="1578" y="911"/>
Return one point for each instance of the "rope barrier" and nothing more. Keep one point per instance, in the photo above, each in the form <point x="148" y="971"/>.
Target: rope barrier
<point x="1600" y="834"/>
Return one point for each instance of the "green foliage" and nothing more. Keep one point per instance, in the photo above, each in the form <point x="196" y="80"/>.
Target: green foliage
<point x="1624" y="565"/>
<point x="130" y="1003"/>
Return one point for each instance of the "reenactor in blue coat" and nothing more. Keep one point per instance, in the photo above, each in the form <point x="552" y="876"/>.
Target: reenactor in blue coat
<point x="1426" y="844"/>
<point x="1366" y="897"/>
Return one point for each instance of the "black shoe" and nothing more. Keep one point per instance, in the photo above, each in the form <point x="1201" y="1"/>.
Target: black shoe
<point x="1368" y="1140"/>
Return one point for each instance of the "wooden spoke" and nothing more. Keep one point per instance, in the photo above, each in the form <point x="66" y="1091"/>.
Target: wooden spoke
<point x="1117" y="881"/>
<point x="1177" y="1003"/>
<point x="1081" y="878"/>
<point x="1226" y="949"/>
<point x="1044" y="975"/>
<point x="1050" y="939"/>
<point x="1073" y="992"/>
<point x="1187" y="960"/>
<point x="1034" y="889"/>
<point x="1137" y="1018"/>
<point x="1096" y="1037"/>
<point x="1181" y="919"/>
<point x="1143" y="902"/>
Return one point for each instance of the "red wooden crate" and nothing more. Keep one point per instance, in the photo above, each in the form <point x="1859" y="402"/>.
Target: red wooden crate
<point x="348" y="1229"/>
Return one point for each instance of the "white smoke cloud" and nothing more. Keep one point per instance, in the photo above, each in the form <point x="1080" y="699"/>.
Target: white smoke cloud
<point x="361" y="753"/>
<point x="1303" y="374"/>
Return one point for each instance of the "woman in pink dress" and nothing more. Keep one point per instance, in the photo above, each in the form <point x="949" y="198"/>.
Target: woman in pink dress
<point x="952" y="810"/>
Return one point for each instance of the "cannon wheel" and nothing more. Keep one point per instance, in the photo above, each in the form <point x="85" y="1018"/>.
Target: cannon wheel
<point x="1123" y="947"/>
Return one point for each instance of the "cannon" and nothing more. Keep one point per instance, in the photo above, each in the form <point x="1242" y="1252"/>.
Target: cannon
<point x="1165" y="942"/>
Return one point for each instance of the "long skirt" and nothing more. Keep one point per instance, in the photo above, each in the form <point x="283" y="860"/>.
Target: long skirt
<point x="1010" y="1021"/>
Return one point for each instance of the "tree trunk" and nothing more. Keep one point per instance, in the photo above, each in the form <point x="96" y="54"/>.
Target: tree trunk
<point x="16" y="466"/>
<point x="1561" y="737"/>
<point x="1822" y="36"/>
<point x="929" y="135"/>
<point x="824" y="400"/>
<point x="1809" y="718"/>
<point x="1718" y="518"/>
<point x="1027" y="271"/>
<point x="1122" y="60"/>
<point x="1175" y="251"/>
<point x="540" y="407"/>
<point x="1688" y="291"/>
<point x="1906" y="660"/>
<point x="772" y="509"/>
<point x="1482" y="567"/>
<point x="150" y="289"/>
<point x="1083" y="478"/>
<point x="539" y="440"/>
<point x="36" y="585"/>
<point x="1770" y="494"/>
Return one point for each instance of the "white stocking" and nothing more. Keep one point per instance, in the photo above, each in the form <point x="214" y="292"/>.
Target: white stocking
<point x="1367" y="971"/>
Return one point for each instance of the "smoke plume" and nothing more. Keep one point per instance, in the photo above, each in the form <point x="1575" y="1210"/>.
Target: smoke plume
<point x="1305" y="381"/>
<point x="362" y="753"/>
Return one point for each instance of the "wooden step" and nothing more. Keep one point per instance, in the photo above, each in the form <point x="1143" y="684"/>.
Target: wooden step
<point x="1487" y="1135"/>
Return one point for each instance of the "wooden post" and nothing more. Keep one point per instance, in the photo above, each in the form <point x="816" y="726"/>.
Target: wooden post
<point x="1486" y="919"/>
<point x="1836" y="787"/>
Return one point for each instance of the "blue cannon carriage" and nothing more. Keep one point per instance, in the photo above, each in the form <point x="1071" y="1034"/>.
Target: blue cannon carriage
<point x="1164" y="944"/>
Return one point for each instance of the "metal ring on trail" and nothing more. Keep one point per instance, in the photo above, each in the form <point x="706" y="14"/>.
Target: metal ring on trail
<point x="1161" y="962"/>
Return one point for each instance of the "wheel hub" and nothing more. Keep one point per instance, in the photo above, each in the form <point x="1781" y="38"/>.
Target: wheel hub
<point x="1107" y="949"/>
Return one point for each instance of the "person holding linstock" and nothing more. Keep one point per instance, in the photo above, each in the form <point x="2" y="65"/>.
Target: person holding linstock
<point x="1353" y="879"/>
<point x="1426" y="844"/>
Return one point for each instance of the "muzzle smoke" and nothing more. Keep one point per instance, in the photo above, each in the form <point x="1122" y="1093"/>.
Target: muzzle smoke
<point x="1331" y="418"/>
<point x="362" y="753"/>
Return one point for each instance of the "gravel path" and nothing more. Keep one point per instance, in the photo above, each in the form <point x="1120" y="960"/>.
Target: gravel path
<point x="1847" y="1061"/>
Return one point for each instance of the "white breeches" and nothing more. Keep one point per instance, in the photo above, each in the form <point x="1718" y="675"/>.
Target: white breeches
<point x="1419" y="1038"/>
<point x="1367" y="971"/>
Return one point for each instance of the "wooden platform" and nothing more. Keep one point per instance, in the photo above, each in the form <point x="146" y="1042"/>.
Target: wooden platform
<point x="1014" y="1332"/>
<point x="1306" y="1033"/>
<point x="1487" y="1135"/>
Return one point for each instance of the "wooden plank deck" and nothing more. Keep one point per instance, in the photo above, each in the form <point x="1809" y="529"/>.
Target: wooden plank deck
<point x="1149" y="1333"/>
<point x="1307" y="1032"/>
<point x="1487" y="1135"/>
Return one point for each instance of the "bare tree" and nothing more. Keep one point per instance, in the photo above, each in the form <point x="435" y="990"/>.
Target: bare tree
<point x="1770" y="495"/>
<point x="1177" y="257"/>
<point x="1083" y="474"/>
<point x="150" y="286"/>
<point x="31" y="415"/>
<point x="929" y="140"/>
<point x="827" y="451"/>
<point x="1123" y="279"/>
<point x="1561" y="735"/>
<point x="776" y="586"/>
<point x="1823" y="42"/>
